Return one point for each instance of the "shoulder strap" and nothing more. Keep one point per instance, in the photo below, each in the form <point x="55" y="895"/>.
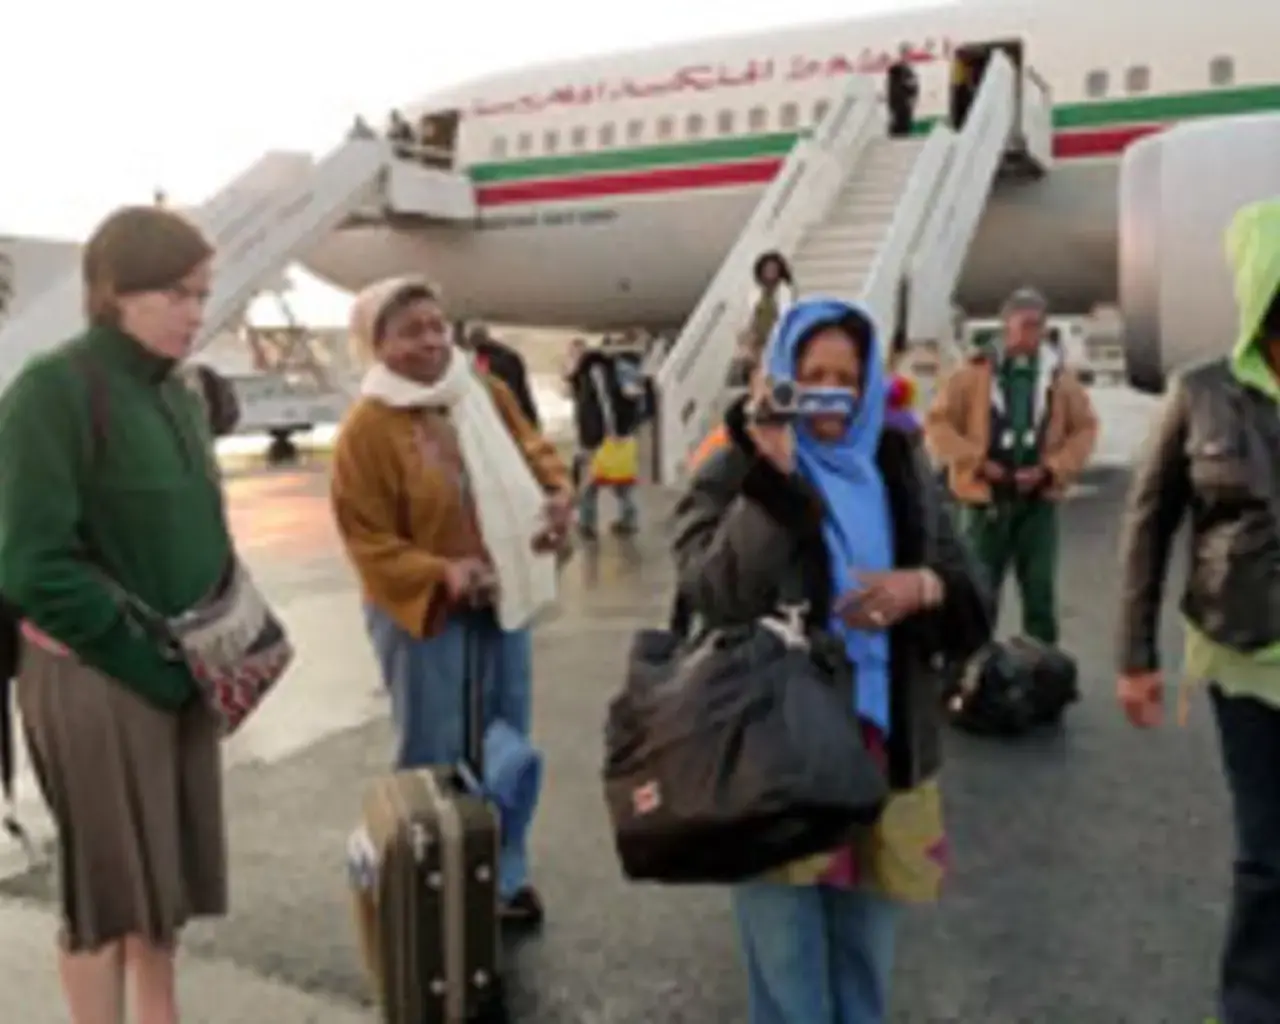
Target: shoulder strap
<point x="99" y="392"/>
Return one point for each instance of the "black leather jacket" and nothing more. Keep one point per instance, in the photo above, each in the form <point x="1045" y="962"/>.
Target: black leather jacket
<point x="1215" y="454"/>
<point x="747" y="537"/>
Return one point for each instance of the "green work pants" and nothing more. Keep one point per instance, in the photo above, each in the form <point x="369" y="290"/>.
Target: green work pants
<point x="1024" y="533"/>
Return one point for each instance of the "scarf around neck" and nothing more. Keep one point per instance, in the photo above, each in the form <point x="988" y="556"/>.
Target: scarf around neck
<point x="508" y="499"/>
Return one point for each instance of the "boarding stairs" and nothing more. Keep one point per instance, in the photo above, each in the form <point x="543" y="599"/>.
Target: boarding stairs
<point x="269" y="216"/>
<point x="887" y="222"/>
<point x="837" y="256"/>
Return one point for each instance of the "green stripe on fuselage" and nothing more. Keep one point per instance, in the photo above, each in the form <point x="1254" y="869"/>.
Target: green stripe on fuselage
<point x="1068" y="117"/>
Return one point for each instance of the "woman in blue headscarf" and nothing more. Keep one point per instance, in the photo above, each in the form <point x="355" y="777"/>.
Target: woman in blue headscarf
<point x="838" y="510"/>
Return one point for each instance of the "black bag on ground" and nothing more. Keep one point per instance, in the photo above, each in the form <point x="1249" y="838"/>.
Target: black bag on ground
<point x="734" y="755"/>
<point x="1011" y="687"/>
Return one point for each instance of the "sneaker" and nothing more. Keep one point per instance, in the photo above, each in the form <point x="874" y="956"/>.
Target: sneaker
<point x="524" y="909"/>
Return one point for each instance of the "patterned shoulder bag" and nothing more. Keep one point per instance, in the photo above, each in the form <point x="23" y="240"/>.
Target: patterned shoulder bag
<point x="234" y="644"/>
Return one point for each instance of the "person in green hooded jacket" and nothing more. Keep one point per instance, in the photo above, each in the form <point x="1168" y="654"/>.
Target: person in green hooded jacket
<point x="1214" y="457"/>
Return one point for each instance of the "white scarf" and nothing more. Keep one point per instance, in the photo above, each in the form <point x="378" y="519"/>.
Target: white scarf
<point x="509" y="502"/>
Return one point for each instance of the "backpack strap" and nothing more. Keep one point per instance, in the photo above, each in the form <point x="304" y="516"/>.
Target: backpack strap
<point x="99" y="391"/>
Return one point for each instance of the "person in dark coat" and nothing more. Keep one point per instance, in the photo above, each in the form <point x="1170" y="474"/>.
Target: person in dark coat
<point x="904" y="91"/>
<point x="605" y="410"/>
<point x="839" y="515"/>
<point x="505" y="363"/>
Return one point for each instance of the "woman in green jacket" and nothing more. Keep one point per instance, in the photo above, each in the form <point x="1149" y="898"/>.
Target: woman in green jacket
<point x="108" y="484"/>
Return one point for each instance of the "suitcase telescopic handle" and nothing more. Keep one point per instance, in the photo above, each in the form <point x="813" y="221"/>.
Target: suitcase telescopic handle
<point x="473" y="674"/>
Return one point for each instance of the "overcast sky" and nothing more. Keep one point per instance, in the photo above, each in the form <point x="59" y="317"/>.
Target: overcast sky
<point x="104" y="102"/>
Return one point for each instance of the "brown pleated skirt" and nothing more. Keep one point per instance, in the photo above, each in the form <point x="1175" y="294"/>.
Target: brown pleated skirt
<point x="136" y="796"/>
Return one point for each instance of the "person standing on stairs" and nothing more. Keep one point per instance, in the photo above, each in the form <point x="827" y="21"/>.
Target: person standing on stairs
<point x="773" y="292"/>
<point x="1014" y="427"/>
<point x="903" y="89"/>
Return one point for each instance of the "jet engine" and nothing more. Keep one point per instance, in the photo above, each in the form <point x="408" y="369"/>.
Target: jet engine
<point x="1178" y="192"/>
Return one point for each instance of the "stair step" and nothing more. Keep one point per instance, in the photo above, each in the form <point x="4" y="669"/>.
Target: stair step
<point x="860" y="217"/>
<point x="828" y="237"/>
<point x="843" y="234"/>
<point x="838" y="269"/>
<point x="863" y="211"/>
<point x="826" y="277"/>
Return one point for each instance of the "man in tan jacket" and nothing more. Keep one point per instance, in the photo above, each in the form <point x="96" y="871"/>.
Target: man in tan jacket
<point x="1014" y="427"/>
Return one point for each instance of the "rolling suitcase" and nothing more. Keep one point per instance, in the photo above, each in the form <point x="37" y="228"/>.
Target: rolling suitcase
<point x="429" y="927"/>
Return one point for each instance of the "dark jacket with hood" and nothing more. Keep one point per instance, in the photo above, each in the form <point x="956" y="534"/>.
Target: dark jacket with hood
<point x="1214" y="457"/>
<point x="594" y="382"/>
<point x="505" y="363"/>
<point x="748" y="537"/>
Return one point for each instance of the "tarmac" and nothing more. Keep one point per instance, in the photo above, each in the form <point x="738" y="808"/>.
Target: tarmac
<point x="1091" y="862"/>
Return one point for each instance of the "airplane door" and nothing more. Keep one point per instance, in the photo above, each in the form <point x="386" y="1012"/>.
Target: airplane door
<point x="438" y="138"/>
<point x="969" y="64"/>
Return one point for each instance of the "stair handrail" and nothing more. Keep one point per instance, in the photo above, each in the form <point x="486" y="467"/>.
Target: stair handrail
<point x="57" y="313"/>
<point x="285" y="225"/>
<point x="801" y="192"/>
<point x="946" y="237"/>
<point x="884" y="280"/>
<point x="1035" y="118"/>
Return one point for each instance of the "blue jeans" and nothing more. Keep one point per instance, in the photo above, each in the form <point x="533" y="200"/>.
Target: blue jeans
<point x="1250" y="981"/>
<point x="427" y="682"/>
<point x="589" y="502"/>
<point x="816" y="954"/>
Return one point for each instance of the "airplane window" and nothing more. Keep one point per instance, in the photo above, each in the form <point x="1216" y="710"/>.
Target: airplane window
<point x="606" y="135"/>
<point x="635" y="131"/>
<point x="1222" y="71"/>
<point x="551" y="142"/>
<point x="578" y="139"/>
<point x="724" y="122"/>
<point x="499" y="146"/>
<point x="758" y="119"/>
<point x="525" y="142"/>
<point x="693" y="125"/>
<point x="1095" y="84"/>
<point x="820" y="110"/>
<point x="789" y="118"/>
<point x="666" y="127"/>
<point x="1137" y="79"/>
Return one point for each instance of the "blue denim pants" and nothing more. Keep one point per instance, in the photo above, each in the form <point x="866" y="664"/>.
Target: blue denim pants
<point x="816" y="954"/>
<point x="589" y="505"/>
<point x="1249" y="731"/>
<point x="427" y="682"/>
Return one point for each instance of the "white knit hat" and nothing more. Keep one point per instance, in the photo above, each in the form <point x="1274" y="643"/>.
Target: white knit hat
<point x="368" y="307"/>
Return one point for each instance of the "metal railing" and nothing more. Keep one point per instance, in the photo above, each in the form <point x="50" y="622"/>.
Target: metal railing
<point x="691" y="380"/>
<point x="945" y="239"/>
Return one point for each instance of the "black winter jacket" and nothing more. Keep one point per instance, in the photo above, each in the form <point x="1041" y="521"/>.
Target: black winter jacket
<point x="747" y="538"/>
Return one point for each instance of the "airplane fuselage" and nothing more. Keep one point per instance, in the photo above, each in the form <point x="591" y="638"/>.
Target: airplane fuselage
<point x="611" y="188"/>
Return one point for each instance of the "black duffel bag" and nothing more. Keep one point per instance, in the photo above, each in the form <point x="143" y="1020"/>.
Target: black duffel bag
<point x="735" y="754"/>
<point x="1011" y="687"/>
